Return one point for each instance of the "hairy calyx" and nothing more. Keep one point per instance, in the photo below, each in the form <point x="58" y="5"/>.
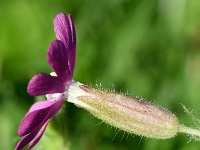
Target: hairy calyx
<point x="128" y="113"/>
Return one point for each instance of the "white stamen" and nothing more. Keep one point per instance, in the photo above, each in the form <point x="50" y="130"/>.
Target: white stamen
<point x="53" y="74"/>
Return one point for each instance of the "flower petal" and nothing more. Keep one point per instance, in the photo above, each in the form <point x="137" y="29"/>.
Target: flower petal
<point x="58" y="59"/>
<point x="27" y="139"/>
<point x="41" y="105"/>
<point x="42" y="84"/>
<point x="38" y="114"/>
<point x="72" y="54"/>
<point x="65" y="31"/>
<point x="38" y="137"/>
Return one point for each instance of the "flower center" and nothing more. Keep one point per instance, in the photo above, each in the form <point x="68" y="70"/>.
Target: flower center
<point x="54" y="96"/>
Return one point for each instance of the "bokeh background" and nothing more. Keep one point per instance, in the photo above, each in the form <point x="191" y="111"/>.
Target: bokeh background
<point x="149" y="48"/>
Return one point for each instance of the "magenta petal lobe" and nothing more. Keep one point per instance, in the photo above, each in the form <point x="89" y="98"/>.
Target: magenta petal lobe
<point x="65" y="31"/>
<point x="26" y="140"/>
<point x="72" y="58"/>
<point x="29" y="137"/>
<point x="58" y="60"/>
<point x="33" y="127"/>
<point x="38" y="114"/>
<point x="42" y="84"/>
<point x="38" y="137"/>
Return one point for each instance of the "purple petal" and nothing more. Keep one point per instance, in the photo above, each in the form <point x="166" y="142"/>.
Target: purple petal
<point x="72" y="58"/>
<point x="27" y="139"/>
<point x="42" y="84"/>
<point x="37" y="139"/>
<point x="38" y="114"/>
<point x="65" y="31"/>
<point x="41" y="105"/>
<point x="58" y="60"/>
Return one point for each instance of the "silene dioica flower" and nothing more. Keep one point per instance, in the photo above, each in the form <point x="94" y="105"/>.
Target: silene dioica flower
<point x="127" y="113"/>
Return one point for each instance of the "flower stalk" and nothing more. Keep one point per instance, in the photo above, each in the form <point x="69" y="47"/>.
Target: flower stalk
<point x="189" y="131"/>
<point x="128" y="113"/>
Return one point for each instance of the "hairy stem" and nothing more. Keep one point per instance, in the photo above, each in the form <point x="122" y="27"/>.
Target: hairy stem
<point x="189" y="131"/>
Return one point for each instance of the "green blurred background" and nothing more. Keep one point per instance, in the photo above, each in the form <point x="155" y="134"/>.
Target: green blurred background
<point x="150" y="48"/>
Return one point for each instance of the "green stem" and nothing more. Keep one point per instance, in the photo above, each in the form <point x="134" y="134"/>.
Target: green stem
<point x="189" y="131"/>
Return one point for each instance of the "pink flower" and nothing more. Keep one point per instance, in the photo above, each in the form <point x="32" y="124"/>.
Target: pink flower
<point x="61" y="57"/>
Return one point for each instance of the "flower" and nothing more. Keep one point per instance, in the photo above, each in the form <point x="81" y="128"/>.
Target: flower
<point x="128" y="113"/>
<point x="61" y="57"/>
